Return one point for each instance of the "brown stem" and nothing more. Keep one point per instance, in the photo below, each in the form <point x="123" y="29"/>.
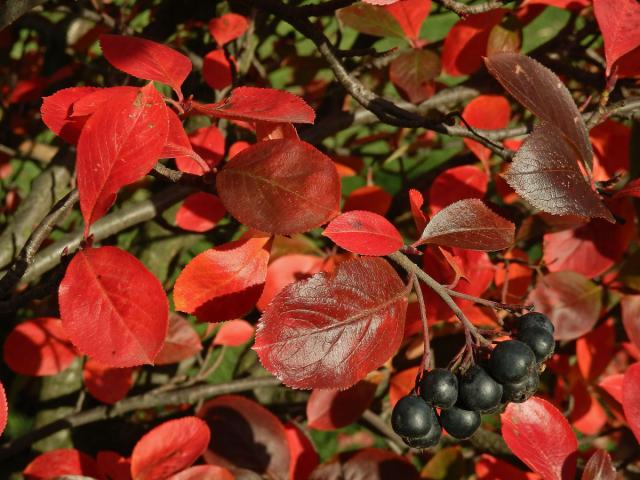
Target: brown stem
<point x="464" y="10"/>
<point x="426" y="356"/>
<point x="511" y="307"/>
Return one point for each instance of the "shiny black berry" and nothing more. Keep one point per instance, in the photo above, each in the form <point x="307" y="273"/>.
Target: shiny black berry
<point x="511" y="361"/>
<point x="536" y="319"/>
<point x="539" y="340"/>
<point x="523" y="390"/>
<point x="430" y="439"/>
<point x="478" y="391"/>
<point x="412" y="417"/>
<point x="459" y="423"/>
<point x="439" y="388"/>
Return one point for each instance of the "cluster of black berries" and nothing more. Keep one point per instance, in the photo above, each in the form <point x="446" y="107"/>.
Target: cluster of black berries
<point x="511" y="374"/>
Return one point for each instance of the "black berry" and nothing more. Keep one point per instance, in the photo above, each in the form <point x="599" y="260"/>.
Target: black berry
<point x="536" y="319"/>
<point x="430" y="439"/>
<point x="539" y="340"/>
<point x="511" y="361"/>
<point x="439" y="388"/>
<point x="478" y="391"/>
<point x="459" y="423"/>
<point x="523" y="390"/>
<point x="413" y="418"/>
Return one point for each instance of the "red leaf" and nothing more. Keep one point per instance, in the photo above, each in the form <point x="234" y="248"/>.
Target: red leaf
<point x="365" y="233"/>
<point x="538" y="434"/>
<point x="332" y="329"/>
<point x="275" y="131"/>
<point x="56" y="112"/>
<point x="489" y="112"/>
<point x="469" y="224"/>
<point x="631" y="398"/>
<point x="371" y="20"/>
<point x="208" y="142"/>
<point x="216" y="69"/>
<point x="618" y="22"/>
<point x="571" y="301"/>
<point x="89" y="104"/>
<point x="113" y="308"/>
<point x="234" y="333"/>
<point x="225" y="282"/>
<point x="587" y="415"/>
<point x="106" y="384"/>
<point x="147" y="60"/>
<point x="304" y="458"/>
<point x="566" y="4"/>
<point x="204" y="472"/>
<point x="63" y="461"/>
<point x="599" y="467"/>
<point x="4" y="409"/>
<point x="200" y="212"/>
<point x="455" y="184"/>
<point x="413" y="73"/>
<point x="265" y="104"/>
<point x="169" y="448"/>
<point x="513" y="278"/>
<point x="333" y="409"/>
<point x="371" y="198"/>
<point x="631" y="189"/>
<point x="228" y="27"/>
<point x="416" y="201"/>
<point x="259" y="441"/>
<point x="118" y="145"/>
<point x="178" y="143"/>
<point x="113" y="466"/>
<point x="288" y="203"/>
<point x="611" y="142"/>
<point x="613" y="385"/>
<point x="402" y="383"/>
<point x="377" y="464"/>
<point x="631" y="317"/>
<point x="38" y="347"/>
<point x="182" y="342"/>
<point x="410" y="14"/>
<point x="466" y="42"/>
<point x="491" y="468"/>
<point x="595" y="350"/>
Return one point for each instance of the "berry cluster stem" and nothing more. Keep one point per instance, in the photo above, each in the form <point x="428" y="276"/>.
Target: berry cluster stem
<point x="426" y="356"/>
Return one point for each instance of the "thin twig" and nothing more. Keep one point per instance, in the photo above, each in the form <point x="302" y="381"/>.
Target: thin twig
<point x="426" y="356"/>
<point x="464" y="10"/>
<point x="510" y="307"/>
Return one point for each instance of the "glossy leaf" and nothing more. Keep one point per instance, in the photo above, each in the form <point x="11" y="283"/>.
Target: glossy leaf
<point x="410" y="14"/>
<point x="631" y="398"/>
<point x="182" y="342"/>
<point x="259" y="439"/>
<point x="56" y="112"/>
<point x="539" y="435"/>
<point x="204" y="472"/>
<point x="416" y="201"/>
<point x="200" y="212"/>
<point x="365" y="233"/>
<point x="304" y="458"/>
<point x="618" y="22"/>
<point x="333" y="409"/>
<point x="469" y="224"/>
<point x="106" y="384"/>
<point x="38" y="347"/>
<point x="631" y="317"/>
<point x="118" y="145"/>
<point x="413" y="73"/>
<point x="234" y="333"/>
<point x="370" y="198"/>
<point x="488" y="112"/>
<point x="169" y="448"/>
<point x="146" y="59"/>
<point x="457" y="183"/>
<point x="4" y="409"/>
<point x="299" y="187"/>
<point x="227" y="28"/>
<point x="332" y="329"/>
<point x="370" y="19"/>
<point x="63" y="461"/>
<point x="113" y="308"/>
<point x="216" y="69"/>
<point x="599" y="467"/>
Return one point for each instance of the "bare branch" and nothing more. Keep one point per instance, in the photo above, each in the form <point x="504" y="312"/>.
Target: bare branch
<point x="464" y="10"/>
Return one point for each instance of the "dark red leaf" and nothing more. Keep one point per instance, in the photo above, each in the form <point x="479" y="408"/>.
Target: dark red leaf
<point x="371" y="20"/>
<point x="118" y="145"/>
<point x="587" y="415"/>
<point x="204" y="472"/>
<point x="595" y="350"/>
<point x="618" y="22"/>
<point x="370" y="197"/>
<point x="225" y="282"/>
<point x="63" y="461"/>
<point x="38" y="347"/>
<point x="488" y="112"/>
<point x="333" y="409"/>
<point x="377" y="464"/>
<point x="469" y="224"/>
<point x="246" y="436"/>
<point x="410" y="14"/>
<point x="332" y="329"/>
<point x="56" y="112"/>
<point x="228" y="27"/>
<point x="455" y="184"/>
<point x="216" y="69"/>
<point x="365" y="233"/>
<point x="169" y="448"/>
<point x="182" y="342"/>
<point x="539" y="435"/>
<point x="599" y="467"/>
<point x="491" y="468"/>
<point x="413" y="73"/>
<point x="265" y="104"/>
<point x="113" y="466"/>
<point x="631" y="317"/>
<point x="304" y="458"/>
<point x="146" y="59"/>
<point x="113" y="308"/>
<point x="613" y="385"/>
<point x="234" y="333"/>
<point x="631" y="189"/>
<point x="200" y="212"/>
<point x="106" y="384"/>
<point x="287" y="203"/>
<point x="631" y="398"/>
<point x="571" y="301"/>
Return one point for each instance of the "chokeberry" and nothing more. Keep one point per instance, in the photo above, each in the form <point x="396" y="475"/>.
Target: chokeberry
<point x="536" y="319"/>
<point x="478" y="391"/>
<point x="439" y="388"/>
<point x="518" y="392"/>
<point x="412" y="417"/>
<point x="459" y="423"/>
<point x="430" y="439"/>
<point x="539" y="340"/>
<point x="511" y="361"/>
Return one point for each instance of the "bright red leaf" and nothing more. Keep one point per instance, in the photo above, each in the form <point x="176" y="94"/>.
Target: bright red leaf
<point x="106" y="384"/>
<point x="595" y="350"/>
<point x="182" y="342"/>
<point x="410" y="14"/>
<point x="611" y="142"/>
<point x="587" y="415"/>
<point x="365" y="233"/>
<point x="169" y="448"/>
<point x="228" y="27"/>
<point x="225" y="282"/>
<point x="401" y="384"/>
<point x="118" y="145"/>
<point x="208" y="142"/>
<point x="304" y="458"/>
<point x="90" y="103"/>
<point x="200" y="212"/>
<point x="599" y="467"/>
<point x="631" y="398"/>
<point x="613" y="385"/>
<point x="416" y="201"/>
<point x="567" y="4"/>
<point x="513" y="278"/>
<point x="299" y="187"/>
<point x="63" y="461"/>
<point x="488" y="112"/>
<point x="216" y="69"/>
<point x="204" y="472"/>
<point x="4" y="409"/>
<point x="631" y="317"/>
<point x="455" y="184"/>
<point x="146" y="59"/>
<point x="56" y="112"/>
<point x="618" y="22"/>
<point x="332" y="329"/>
<point x="492" y="468"/>
<point x="234" y="333"/>
<point x="38" y="347"/>
<point x="370" y="197"/>
<point x="333" y="409"/>
<point x="539" y="435"/>
<point x="113" y="308"/>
